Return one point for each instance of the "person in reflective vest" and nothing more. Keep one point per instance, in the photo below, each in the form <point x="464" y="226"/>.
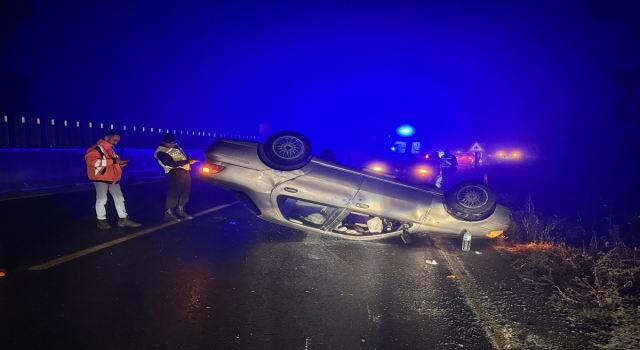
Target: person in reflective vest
<point x="448" y="167"/>
<point x="176" y="165"/>
<point x="104" y="169"/>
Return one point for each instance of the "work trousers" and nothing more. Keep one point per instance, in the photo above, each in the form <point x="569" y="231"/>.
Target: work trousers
<point x="179" y="187"/>
<point x="101" y="199"/>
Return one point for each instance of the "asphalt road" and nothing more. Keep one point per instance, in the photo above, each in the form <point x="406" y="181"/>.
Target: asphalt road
<point x="228" y="280"/>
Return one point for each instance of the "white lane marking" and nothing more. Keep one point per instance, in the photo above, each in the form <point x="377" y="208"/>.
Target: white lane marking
<point x="307" y="344"/>
<point x="499" y="332"/>
<point x="68" y="257"/>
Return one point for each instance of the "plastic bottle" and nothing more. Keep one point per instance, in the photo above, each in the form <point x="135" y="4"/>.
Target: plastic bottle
<point x="466" y="242"/>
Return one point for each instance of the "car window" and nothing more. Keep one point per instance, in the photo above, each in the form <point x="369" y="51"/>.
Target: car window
<point x="304" y="212"/>
<point x="364" y="224"/>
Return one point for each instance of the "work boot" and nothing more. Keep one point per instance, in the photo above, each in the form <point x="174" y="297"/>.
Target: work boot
<point x="103" y="225"/>
<point x="180" y="211"/>
<point x="170" y="216"/>
<point x="126" y="222"/>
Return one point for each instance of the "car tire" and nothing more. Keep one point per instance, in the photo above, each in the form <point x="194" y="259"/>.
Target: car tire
<point x="285" y="150"/>
<point x="470" y="200"/>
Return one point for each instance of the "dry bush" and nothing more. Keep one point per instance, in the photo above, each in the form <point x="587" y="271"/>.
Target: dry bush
<point x="545" y="261"/>
<point x="532" y="226"/>
<point x="601" y="283"/>
<point x="598" y="283"/>
<point x="601" y="288"/>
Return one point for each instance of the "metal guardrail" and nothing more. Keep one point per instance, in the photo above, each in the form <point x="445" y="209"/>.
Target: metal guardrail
<point x="25" y="132"/>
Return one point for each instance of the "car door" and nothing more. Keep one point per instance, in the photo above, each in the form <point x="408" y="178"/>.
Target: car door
<point x="317" y="198"/>
<point x="378" y="197"/>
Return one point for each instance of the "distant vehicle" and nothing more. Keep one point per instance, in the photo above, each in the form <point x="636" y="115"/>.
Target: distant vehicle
<point x="507" y="156"/>
<point x="412" y="169"/>
<point x="281" y="182"/>
<point x="465" y="159"/>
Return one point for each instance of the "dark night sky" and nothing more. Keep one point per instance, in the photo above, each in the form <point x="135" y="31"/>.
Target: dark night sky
<point x="508" y="72"/>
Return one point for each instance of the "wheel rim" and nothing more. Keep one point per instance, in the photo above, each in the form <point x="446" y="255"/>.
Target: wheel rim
<point x="472" y="197"/>
<point x="288" y="147"/>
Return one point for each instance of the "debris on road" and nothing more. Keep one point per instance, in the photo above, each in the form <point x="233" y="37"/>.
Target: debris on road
<point x="477" y="252"/>
<point x="451" y="276"/>
<point x="432" y="262"/>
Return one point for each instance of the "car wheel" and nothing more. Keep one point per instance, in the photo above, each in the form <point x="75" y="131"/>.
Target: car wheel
<point x="470" y="200"/>
<point x="285" y="150"/>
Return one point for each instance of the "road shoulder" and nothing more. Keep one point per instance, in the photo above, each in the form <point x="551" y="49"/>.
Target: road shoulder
<point x="514" y="313"/>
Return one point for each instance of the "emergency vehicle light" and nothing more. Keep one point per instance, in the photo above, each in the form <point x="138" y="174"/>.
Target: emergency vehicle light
<point x="405" y="130"/>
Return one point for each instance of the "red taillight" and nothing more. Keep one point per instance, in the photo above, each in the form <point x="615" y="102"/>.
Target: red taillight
<point x="212" y="168"/>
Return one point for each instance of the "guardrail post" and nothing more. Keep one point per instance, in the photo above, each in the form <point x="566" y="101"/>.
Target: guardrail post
<point x="86" y="129"/>
<point x="63" y="133"/>
<point x="35" y="130"/>
<point x="50" y="134"/>
<point x="20" y="127"/>
<point x="4" y="132"/>
<point x="75" y="134"/>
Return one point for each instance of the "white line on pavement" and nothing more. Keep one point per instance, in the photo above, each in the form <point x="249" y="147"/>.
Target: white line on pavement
<point x="499" y="332"/>
<point x="68" y="257"/>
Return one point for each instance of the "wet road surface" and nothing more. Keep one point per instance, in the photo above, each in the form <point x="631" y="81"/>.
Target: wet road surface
<point x="228" y="280"/>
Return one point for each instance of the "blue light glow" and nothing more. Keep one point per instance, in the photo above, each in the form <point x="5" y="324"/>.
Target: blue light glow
<point x="405" y="130"/>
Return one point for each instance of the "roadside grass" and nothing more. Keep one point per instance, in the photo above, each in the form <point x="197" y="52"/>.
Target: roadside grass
<point x="597" y="285"/>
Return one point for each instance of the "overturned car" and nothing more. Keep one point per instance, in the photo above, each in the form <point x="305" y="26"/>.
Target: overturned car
<point x="281" y="182"/>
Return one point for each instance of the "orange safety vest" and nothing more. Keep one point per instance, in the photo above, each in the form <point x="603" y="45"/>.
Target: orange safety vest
<point x="101" y="163"/>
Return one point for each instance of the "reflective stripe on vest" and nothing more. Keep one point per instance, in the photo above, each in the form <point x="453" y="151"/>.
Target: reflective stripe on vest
<point x="175" y="153"/>
<point x="101" y="164"/>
